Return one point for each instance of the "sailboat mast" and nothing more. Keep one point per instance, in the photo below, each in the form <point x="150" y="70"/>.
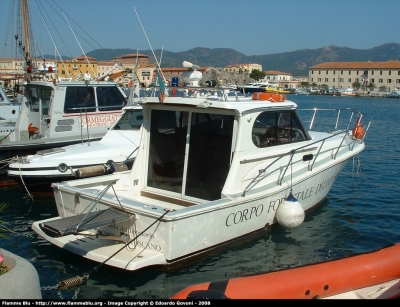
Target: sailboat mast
<point x="25" y="21"/>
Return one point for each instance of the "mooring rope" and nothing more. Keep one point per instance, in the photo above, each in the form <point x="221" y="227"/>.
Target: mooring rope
<point x="78" y="280"/>
<point x="23" y="182"/>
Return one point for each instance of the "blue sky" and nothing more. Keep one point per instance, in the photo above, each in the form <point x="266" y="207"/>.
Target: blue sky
<point x="252" y="27"/>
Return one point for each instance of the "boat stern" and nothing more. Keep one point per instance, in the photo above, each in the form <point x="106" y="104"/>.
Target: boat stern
<point x="123" y="252"/>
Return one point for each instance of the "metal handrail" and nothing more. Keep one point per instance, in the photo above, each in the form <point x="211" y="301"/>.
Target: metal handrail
<point x="291" y="152"/>
<point x="322" y="141"/>
<point x="337" y="119"/>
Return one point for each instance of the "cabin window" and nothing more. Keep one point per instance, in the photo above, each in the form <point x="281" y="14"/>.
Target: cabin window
<point x="79" y="99"/>
<point x="83" y="99"/>
<point x="276" y="128"/>
<point x="189" y="152"/>
<point x="109" y="98"/>
<point x="130" y="120"/>
<point x="34" y="99"/>
<point x="46" y="96"/>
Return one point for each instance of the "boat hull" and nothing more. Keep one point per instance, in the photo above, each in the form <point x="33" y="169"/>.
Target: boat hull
<point x="8" y="151"/>
<point x="190" y="231"/>
<point x="218" y="177"/>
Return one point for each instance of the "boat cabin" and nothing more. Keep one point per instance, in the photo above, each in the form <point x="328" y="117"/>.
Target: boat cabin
<point x="50" y="109"/>
<point x="191" y="149"/>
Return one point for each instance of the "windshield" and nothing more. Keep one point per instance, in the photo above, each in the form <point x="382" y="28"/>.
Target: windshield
<point x="130" y="120"/>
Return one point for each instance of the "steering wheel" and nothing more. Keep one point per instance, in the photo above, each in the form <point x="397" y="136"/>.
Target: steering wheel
<point x="267" y="139"/>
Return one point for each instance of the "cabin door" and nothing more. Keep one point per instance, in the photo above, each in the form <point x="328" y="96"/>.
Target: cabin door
<point x="190" y="153"/>
<point x="39" y="102"/>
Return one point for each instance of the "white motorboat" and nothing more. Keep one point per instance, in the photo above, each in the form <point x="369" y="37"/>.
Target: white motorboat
<point x="9" y="109"/>
<point x="252" y="87"/>
<point x="301" y="92"/>
<point x="60" y="113"/>
<point x="55" y="112"/>
<point x="7" y="126"/>
<point x="229" y="87"/>
<point x="348" y="92"/>
<point x="210" y="171"/>
<point x="114" y="152"/>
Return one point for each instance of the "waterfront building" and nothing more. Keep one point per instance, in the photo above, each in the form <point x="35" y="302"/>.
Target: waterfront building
<point x="77" y="68"/>
<point x="281" y="79"/>
<point x="244" y="68"/>
<point x="12" y="69"/>
<point x="385" y="76"/>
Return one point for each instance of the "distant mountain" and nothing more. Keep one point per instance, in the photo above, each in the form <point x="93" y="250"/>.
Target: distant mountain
<point x="295" y="62"/>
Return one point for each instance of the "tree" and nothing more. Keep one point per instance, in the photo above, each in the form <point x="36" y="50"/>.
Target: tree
<point x="257" y="75"/>
<point x="371" y="86"/>
<point x="356" y="85"/>
<point x="304" y="83"/>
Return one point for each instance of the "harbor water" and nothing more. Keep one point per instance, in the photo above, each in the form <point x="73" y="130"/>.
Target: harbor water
<point x="360" y="214"/>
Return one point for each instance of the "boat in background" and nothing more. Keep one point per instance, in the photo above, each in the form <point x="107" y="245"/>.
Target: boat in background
<point x="115" y="152"/>
<point x="277" y="90"/>
<point x="348" y="92"/>
<point x="6" y="128"/>
<point x="59" y="113"/>
<point x="253" y="87"/>
<point x="370" y="275"/>
<point x="210" y="172"/>
<point x="393" y="94"/>
<point x="9" y="109"/>
<point x="229" y="87"/>
<point x="56" y="112"/>
<point x="301" y="92"/>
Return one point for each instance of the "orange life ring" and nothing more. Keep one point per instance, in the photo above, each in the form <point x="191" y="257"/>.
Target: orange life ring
<point x="272" y="97"/>
<point x="130" y="83"/>
<point x="358" y="130"/>
<point x="277" y="98"/>
<point x="32" y="129"/>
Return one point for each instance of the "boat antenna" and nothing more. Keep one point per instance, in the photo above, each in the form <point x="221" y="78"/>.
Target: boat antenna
<point x="44" y="60"/>
<point x="152" y="50"/>
<point x="135" y="82"/>
<point x="94" y="74"/>
<point x="55" y="45"/>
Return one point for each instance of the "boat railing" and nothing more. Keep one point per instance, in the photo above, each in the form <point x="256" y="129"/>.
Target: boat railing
<point x="103" y="108"/>
<point x="316" y="111"/>
<point x="193" y="91"/>
<point x="83" y="112"/>
<point x="313" y="158"/>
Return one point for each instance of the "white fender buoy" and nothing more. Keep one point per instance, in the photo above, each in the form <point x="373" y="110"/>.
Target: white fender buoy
<point x="290" y="214"/>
